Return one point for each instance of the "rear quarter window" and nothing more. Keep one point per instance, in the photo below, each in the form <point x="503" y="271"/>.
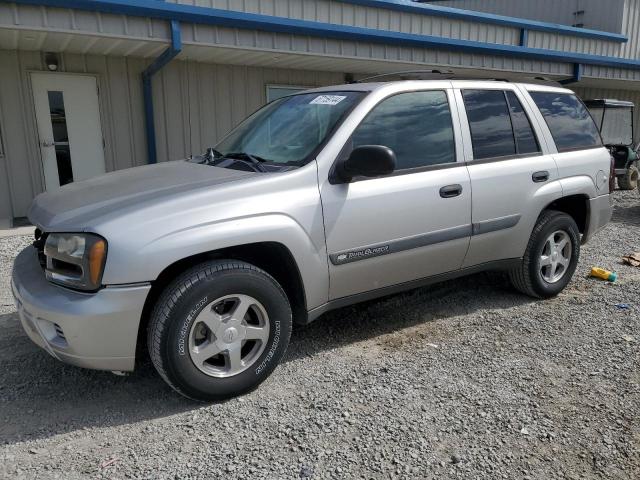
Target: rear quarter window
<point x="571" y="124"/>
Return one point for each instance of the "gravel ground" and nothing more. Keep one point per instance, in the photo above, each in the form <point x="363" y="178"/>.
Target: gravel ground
<point x="465" y="379"/>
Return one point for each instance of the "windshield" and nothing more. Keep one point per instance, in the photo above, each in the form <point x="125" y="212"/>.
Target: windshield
<point x="615" y="124"/>
<point x="289" y="129"/>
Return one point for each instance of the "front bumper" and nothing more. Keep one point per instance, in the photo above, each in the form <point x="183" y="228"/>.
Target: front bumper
<point x="91" y="330"/>
<point x="600" y="212"/>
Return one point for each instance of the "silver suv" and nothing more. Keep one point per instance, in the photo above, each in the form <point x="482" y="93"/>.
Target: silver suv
<point x="316" y="201"/>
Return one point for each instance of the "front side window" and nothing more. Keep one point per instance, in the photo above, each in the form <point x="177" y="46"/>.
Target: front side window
<point x="571" y="125"/>
<point x="417" y="126"/>
<point x="288" y="130"/>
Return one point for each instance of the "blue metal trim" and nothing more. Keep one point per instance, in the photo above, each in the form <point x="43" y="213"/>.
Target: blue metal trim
<point x="232" y="19"/>
<point x="472" y="16"/>
<point x="118" y="7"/>
<point x="147" y="91"/>
<point x="577" y="75"/>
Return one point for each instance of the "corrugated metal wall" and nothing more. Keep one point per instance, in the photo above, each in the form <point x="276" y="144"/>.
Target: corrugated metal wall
<point x="598" y="14"/>
<point x="329" y="11"/>
<point x="195" y="105"/>
<point x="623" y="12"/>
<point x="198" y="103"/>
<point x="120" y="107"/>
<point x="124" y="28"/>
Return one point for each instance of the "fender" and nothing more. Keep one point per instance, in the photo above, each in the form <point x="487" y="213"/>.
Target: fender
<point x="153" y="257"/>
<point x="544" y="195"/>
<point x="581" y="185"/>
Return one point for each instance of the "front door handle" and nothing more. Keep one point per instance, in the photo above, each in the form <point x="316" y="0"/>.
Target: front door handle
<point x="541" y="176"/>
<point x="450" y="191"/>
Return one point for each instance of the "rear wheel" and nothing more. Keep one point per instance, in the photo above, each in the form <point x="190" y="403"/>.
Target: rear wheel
<point x="629" y="181"/>
<point x="550" y="258"/>
<point x="219" y="330"/>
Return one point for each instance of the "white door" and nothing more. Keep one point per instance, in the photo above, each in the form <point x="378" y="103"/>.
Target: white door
<point x="69" y="128"/>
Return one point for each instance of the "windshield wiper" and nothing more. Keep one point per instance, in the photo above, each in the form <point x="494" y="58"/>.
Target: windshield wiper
<point x="212" y="154"/>
<point x="244" y="155"/>
<point x="253" y="159"/>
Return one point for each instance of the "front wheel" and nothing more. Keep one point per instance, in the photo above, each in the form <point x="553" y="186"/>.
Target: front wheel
<point x="219" y="330"/>
<point x="550" y="258"/>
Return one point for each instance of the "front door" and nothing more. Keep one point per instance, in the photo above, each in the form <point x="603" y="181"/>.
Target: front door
<point x="69" y="130"/>
<point x="413" y="224"/>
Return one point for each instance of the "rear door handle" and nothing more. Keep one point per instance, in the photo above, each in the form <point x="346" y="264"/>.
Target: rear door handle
<point x="450" y="191"/>
<point x="541" y="176"/>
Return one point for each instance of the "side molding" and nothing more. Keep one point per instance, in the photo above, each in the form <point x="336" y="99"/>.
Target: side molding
<point x="495" y="224"/>
<point x="418" y="241"/>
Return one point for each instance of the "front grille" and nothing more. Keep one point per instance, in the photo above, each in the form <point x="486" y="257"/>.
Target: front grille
<point x="38" y="243"/>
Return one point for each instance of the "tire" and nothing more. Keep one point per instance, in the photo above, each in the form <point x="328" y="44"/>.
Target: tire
<point x="530" y="277"/>
<point x="629" y="181"/>
<point x="200" y="311"/>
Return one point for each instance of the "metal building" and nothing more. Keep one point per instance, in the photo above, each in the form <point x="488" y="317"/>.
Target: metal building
<point x="91" y="86"/>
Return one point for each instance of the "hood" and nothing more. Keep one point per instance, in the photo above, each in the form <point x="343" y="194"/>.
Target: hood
<point x="78" y="204"/>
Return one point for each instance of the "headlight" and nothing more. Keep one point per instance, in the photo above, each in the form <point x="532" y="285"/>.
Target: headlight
<point x="75" y="260"/>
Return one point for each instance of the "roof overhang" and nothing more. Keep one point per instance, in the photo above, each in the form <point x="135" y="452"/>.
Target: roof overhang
<point x="20" y="36"/>
<point x="233" y="19"/>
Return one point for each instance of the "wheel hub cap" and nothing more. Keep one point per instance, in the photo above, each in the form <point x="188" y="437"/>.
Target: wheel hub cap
<point x="556" y="256"/>
<point x="228" y="335"/>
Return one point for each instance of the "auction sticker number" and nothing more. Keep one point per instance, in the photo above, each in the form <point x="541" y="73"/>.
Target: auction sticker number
<point x="327" y="100"/>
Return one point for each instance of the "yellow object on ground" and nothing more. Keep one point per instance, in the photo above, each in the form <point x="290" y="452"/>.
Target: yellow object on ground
<point x="604" y="274"/>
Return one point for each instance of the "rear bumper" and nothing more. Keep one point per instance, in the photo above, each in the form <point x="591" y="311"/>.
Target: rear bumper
<point x="91" y="330"/>
<point x="600" y="211"/>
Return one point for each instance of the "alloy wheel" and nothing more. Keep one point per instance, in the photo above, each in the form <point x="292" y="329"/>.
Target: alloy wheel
<point x="229" y="335"/>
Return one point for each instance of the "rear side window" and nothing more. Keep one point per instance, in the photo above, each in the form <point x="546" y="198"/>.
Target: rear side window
<point x="499" y="125"/>
<point x="568" y="119"/>
<point x="526" y="141"/>
<point x="490" y="123"/>
<point x="417" y="126"/>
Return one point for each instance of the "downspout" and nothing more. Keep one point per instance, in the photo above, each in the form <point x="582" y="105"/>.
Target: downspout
<point x="147" y="92"/>
<point x="577" y="75"/>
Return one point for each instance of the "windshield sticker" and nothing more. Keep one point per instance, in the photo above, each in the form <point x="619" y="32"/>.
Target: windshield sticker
<point x="327" y="100"/>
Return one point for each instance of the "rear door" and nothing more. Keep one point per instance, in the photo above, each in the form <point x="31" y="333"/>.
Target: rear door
<point x="511" y="168"/>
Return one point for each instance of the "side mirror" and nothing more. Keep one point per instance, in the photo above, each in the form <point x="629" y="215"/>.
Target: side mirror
<point x="367" y="161"/>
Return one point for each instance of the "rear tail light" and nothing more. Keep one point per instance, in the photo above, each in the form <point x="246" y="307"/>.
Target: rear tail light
<point x="612" y="176"/>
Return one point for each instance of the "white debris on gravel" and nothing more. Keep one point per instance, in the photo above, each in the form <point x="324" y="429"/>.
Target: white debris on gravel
<point x="465" y="379"/>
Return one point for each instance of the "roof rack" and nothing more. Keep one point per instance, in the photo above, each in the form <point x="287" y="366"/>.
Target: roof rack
<point x="405" y="73"/>
<point x="451" y="75"/>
